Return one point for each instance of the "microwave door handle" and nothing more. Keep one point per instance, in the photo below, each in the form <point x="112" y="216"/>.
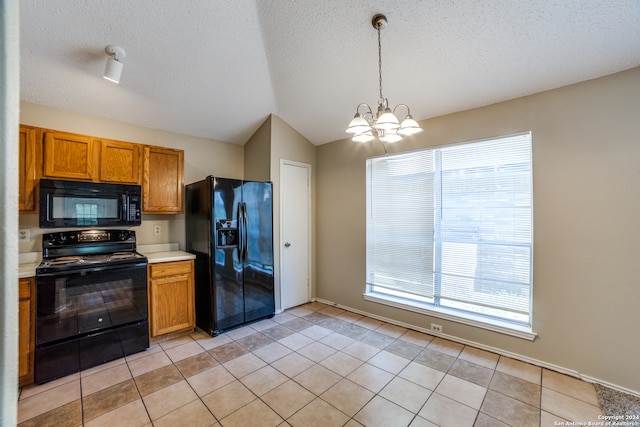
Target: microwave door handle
<point x="125" y="207"/>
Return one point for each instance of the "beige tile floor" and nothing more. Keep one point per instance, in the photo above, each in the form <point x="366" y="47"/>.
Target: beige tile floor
<point x="314" y="365"/>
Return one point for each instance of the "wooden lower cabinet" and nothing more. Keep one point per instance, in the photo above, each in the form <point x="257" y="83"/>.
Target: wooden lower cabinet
<point x="26" y="330"/>
<point x="171" y="297"/>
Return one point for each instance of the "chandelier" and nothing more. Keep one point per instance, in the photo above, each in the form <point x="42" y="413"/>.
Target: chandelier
<point x="384" y="124"/>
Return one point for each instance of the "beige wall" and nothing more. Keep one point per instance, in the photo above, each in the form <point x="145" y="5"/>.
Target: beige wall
<point x="202" y="157"/>
<point x="586" y="175"/>
<point x="257" y="166"/>
<point x="288" y="144"/>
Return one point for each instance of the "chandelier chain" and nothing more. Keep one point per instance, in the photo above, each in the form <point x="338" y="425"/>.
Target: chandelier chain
<point x="379" y="61"/>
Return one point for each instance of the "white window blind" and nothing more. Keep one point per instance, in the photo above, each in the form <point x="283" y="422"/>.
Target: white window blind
<point x="452" y="227"/>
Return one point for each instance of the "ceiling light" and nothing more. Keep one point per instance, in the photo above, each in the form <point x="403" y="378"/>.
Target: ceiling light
<point x="113" y="68"/>
<point x="384" y="124"/>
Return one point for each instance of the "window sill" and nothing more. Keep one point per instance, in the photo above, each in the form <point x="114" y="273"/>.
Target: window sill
<point x="452" y="315"/>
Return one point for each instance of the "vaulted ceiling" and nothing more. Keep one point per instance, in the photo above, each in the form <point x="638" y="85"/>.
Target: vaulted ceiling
<point x="217" y="68"/>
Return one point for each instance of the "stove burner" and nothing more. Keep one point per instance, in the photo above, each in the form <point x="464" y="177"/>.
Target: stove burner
<point x="64" y="260"/>
<point x="123" y="255"/>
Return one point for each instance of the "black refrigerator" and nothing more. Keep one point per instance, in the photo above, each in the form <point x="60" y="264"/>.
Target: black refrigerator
<point x="229" y="224"/>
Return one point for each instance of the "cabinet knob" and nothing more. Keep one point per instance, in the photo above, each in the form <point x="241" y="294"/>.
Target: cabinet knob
<point x="286" y="245"/>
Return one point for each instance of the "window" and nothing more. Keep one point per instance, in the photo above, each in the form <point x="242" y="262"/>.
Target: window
<point x="450" y="229"/>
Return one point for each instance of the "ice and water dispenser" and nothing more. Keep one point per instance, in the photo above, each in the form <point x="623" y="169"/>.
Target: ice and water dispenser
<point x="226" y="233"/>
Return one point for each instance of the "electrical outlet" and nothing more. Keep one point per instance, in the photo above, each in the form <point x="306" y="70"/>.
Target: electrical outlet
<point x="436" y="328"/>
<point x="157" y="230"/>
<point x="24" y="235"/>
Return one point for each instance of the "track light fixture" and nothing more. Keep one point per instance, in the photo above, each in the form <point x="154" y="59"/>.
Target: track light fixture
<point x="113" y="68"/>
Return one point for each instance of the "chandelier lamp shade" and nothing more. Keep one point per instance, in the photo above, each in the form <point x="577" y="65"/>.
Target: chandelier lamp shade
<point x="384" y="124"/>
<point x="113" y="67"/>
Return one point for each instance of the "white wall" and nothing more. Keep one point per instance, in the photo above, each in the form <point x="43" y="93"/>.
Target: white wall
<point x="586" y="175"/>
<point x="9" y="96"/>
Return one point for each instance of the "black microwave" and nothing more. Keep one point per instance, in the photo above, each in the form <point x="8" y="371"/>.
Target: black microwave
<point x="89" y="204"/>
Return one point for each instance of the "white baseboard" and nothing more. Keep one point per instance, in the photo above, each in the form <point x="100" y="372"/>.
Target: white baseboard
<point x="481" y="346"/>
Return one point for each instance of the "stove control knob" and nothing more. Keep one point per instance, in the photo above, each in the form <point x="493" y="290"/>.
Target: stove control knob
<point x="58" y="239"/>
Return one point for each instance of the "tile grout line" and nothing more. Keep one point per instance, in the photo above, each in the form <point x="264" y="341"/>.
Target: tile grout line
<point x="138" y="389"/>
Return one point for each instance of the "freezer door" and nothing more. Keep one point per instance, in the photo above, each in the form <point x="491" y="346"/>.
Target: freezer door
<point x="257" y="239"/>
<point x="228" y="293"/>
<point x="198" y="216"/>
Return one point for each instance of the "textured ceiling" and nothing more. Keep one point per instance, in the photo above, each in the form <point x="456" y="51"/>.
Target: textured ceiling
<point x="217" y="69"/>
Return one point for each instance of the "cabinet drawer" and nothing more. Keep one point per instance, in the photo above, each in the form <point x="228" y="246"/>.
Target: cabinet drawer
<point x="170" y="268"/>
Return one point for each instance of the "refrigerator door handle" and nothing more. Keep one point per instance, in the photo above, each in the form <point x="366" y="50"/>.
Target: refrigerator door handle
<point x="240" y="234"/>
<point x="245" y="230"/>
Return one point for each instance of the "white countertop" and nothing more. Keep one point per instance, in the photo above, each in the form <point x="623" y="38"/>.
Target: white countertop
<point x="167" y="256"/>
<point x="27" y="269"/>
<point x="27" y="263"/>
<point x="164" y="252"/>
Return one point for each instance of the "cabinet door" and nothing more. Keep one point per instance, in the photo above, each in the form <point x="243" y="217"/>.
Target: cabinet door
<point x="26" y="330"/>
<point x="68" y="155"/>
<point x="27" y="169"/>
<point x="171" y="304"/>
<point x="119" y="161"/>
<point x="162" y="180"/>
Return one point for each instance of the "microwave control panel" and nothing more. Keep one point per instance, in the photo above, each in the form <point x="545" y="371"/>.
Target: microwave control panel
<point x="134" y="210"/>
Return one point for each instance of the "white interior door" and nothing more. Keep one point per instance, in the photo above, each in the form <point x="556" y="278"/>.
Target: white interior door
<point x="295" y="229"/>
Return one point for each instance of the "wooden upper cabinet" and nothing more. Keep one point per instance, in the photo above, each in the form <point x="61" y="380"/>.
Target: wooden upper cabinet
<point x="162" y="180"/>
<point x="61" y="155"/>
<point x="28" y="169"/>
<point x="119" y="161"/>
<point x="68" y="155"/>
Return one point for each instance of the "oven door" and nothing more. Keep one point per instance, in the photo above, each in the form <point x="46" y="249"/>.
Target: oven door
<point x="89" y="317"/>
<point x="78" y="303"/>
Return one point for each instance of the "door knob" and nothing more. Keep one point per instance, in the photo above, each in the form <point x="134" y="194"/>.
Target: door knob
<point x="286" y="245"/>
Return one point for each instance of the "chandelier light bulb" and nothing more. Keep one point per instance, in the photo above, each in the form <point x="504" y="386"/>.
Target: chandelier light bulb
<point x="387" y="121"/>
<point x="389" y="136"/>
<point x="358" y="125"/>
<point x="363" y="137"/>
<point x="409" y="127"/>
